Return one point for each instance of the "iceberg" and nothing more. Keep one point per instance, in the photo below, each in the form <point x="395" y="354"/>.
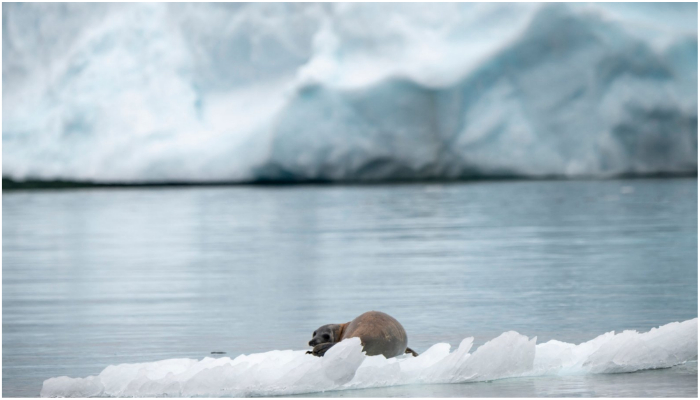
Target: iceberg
<point x="345" y="366"/>
<point x="138" y="93"/>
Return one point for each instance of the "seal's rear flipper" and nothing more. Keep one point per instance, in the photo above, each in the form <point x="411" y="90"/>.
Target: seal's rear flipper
<point x="409" y="351"/>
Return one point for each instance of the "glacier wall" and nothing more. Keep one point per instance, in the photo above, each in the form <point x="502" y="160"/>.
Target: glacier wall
<point x="345" y="366"/>
<point x="248" y="92"/>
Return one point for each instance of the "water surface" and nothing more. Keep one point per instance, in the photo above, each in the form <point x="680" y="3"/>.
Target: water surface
<point x="106" y="276"/>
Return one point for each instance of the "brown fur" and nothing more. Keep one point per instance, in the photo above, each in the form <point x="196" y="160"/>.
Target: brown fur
<point x="379" y="333"/>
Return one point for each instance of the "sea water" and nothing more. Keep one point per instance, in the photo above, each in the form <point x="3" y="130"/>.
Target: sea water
<point x="100" y="277"/>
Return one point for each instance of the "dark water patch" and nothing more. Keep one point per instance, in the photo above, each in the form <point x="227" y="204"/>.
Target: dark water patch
<point x="287" y="179"/>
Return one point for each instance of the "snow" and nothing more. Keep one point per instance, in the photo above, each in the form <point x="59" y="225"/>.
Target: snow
<point x="345" y="367"/>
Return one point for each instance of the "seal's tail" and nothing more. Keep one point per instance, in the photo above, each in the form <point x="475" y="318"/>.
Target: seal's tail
<point x="409" y="351"/>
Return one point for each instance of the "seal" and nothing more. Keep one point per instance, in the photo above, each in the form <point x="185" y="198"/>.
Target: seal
<point x="379" y="333"/>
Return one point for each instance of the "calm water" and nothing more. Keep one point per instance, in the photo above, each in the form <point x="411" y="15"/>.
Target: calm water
<point x="99" y="277"/>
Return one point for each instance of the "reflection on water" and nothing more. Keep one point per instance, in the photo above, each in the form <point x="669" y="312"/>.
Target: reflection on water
<point x="99" y="277"/>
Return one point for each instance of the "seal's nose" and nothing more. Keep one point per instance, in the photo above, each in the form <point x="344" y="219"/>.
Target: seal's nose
<point x="311" y="343"/>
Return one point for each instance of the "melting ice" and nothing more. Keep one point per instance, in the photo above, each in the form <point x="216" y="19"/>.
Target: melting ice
<point x="346" y="367"/>
<point x="241" y="92"/>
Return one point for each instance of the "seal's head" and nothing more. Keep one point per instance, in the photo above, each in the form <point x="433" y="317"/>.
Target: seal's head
<point x="326" y="334"/>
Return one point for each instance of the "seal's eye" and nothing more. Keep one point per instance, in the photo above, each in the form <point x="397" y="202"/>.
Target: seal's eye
<point x="314" y="334"/>
<point x="326" y="336"/>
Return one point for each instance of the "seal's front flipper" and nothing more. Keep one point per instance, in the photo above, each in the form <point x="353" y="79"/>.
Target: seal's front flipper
<point x="320" y="349"/>
<point x="409" y="351"/>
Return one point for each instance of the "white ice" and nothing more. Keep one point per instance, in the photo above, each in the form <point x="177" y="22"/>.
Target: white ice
<point x="152" y="92"/>
<point x="346" y="367"/>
